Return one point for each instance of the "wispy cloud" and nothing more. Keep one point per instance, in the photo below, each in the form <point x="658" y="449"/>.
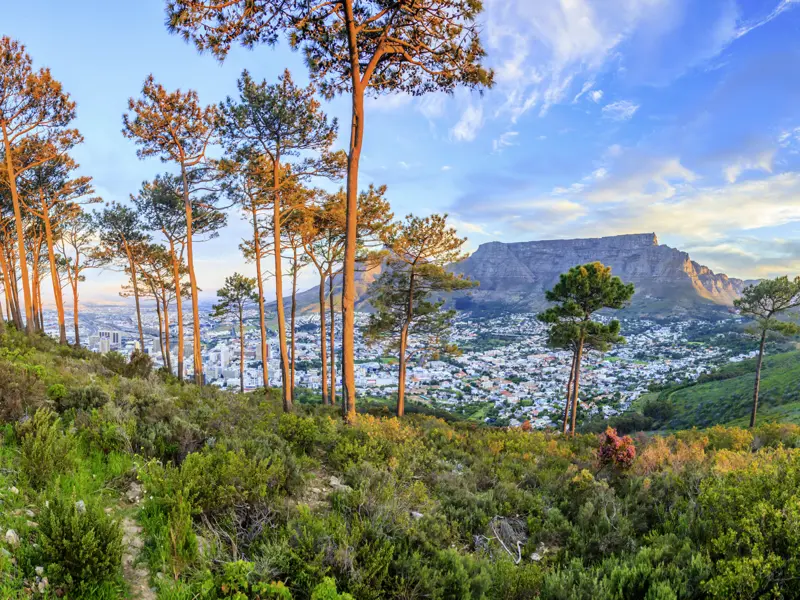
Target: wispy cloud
<point x="469" y="124"/>
<point x="621" y="110"/>
<point x="504" y="141"/>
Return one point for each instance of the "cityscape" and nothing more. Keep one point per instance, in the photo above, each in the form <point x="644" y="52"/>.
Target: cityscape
<point x="504" y="372"/>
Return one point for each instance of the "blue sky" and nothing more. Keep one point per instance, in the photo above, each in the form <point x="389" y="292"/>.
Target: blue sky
<point x="607" y="117"/>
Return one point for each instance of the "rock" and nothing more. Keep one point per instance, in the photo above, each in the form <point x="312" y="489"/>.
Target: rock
<point x="80" y="505"/>
<point x="134" y="493"/>
<point x="13" y="489"/>
<point x="39" y="571"/>
<point x="12" y="539"/>
<point x="416" y="515"/>
<point x="31" y="524"/>
<point x="29" y="513"/>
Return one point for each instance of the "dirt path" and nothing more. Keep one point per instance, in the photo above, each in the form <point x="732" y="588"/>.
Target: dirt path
<point x="137" y="577"/>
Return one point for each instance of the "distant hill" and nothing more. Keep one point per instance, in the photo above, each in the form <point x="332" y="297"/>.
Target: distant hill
<point x="514" y="276"/>
<point x="727" y="398"/>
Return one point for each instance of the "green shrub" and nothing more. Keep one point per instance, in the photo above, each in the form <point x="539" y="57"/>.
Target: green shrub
<point x="81" y="546"/>
<point x="21" y="391"/>
<point x="84" y="398"/>
<point x="217" y="479"/>
<point x="301" y="432"/>
<point x="139" y="366"/>
<point x="238" y="580"/>
<point x="327" y="591"/>
<point x="46" y="450"/>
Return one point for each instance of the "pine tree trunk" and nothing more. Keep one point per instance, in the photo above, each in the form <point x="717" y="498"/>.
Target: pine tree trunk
<point x="401" y="379"/>
<point x="75" y="311"/>
<point x="12" y="261"/>
<point x="196" y="346"/>
<point x="576" y="385"/>
<point x="569" y="391"/>
<point x="6" y="282"/>
<point x="176" y="276"/>
<point x="160" y="331"/>
<point x="276" y="231"/>
<point x="261" y="317"/>
<point x="241" y="351"/>
<point x="23" y="260"/>
<point x="55" y="279"/>
<point x="293" y="320"/>
<point x="351" y="229"/>
<point x="758" y="378"/>
<point x="323" y="339"/>
<point x="332" y="340"/>
<point x="132" y="266"/>
<point x="166" y="332"/>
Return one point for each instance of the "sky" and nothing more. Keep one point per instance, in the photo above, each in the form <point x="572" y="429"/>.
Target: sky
<point x="607" y="117"/>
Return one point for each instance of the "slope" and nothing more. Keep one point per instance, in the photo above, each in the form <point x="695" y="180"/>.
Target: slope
<point x="727" y="399"/>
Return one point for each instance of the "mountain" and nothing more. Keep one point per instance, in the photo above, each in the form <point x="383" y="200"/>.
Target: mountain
<point x="514" y="276"/>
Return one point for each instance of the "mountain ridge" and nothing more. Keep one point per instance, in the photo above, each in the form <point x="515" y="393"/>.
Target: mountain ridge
<point x="514" y="276"/>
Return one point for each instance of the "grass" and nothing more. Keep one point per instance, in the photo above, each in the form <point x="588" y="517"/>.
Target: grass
<point x="728" y="398"/>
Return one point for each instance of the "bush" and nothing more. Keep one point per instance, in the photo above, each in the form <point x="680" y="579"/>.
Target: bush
<point x="85" y="398"/>
<point x="46" y="449"/>
<point x="301" y="432"/>
<point x="218" y="479"/>
<point x="618" y="452"/>
<point x="21" y="391"/>
<point x="140" y="365"/>
<point x="81" y="546"/>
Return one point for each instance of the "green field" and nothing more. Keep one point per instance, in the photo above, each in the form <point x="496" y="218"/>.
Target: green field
<point x="727" y="399"/>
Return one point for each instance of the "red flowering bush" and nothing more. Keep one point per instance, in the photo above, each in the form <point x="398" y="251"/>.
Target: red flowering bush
<point x="616" y="451"/>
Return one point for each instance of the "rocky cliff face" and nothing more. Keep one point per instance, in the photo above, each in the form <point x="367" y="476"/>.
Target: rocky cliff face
<point x="516" y="275"/>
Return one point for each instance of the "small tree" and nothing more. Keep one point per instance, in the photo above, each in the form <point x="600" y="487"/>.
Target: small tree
<point x="579" y="293"/>
<point x="764" y="303"/>
<point x="81" y="253"/>
<point x="247" y="183"/>
<point x="34" y="108"/>
<point x="120" y="230"/>
<point x="237" y="293"/>
<point x="419" y="251"/>
<point x="176" y="128"/>
<point x="358" y="47"/>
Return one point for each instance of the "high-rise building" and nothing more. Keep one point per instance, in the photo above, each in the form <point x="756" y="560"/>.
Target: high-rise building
<point x="105" y="345"/>
<point x="224" y="357"/>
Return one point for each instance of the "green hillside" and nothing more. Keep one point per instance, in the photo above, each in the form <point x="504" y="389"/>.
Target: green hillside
<point x="120" y="483"/>
<point x="726" y="396"/>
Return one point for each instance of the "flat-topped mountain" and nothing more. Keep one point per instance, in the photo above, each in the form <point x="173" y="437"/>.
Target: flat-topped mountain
<point x="515" y="275"/>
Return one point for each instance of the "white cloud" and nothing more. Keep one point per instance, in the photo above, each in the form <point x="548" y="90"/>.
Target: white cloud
<point x="586" y="87"/>
<point x="596" y="96"/>
<point x="467" y="127"/>
<point x="504" y="141"/>
<point x="762" y="162"/>
<point x="621" y="110"/>
<point x="446" y="168"/>
<point x="538" y="48"/>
